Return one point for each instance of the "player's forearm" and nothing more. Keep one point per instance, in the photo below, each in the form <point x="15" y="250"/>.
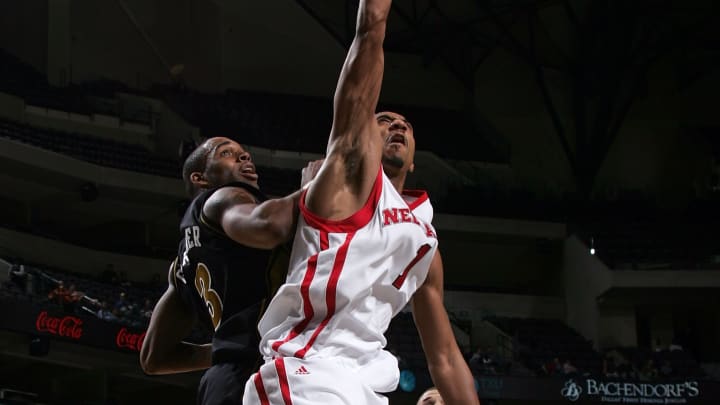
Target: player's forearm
<point x="275" y="220"/>
<point x="454" y="380"/>
<point x="372" y="16"/>
<point x="183" y="357"/>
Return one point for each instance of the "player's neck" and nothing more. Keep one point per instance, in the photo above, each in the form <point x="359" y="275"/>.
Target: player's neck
<point x="398" y="181"/>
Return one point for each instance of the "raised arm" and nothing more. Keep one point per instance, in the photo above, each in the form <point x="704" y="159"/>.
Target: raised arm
<point x="358" y="87"/>
<point x="354" y="148"/>
<point x="448" y="368"/>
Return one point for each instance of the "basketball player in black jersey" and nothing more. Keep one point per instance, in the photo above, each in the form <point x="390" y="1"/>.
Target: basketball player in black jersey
<point x="231" y="253"/>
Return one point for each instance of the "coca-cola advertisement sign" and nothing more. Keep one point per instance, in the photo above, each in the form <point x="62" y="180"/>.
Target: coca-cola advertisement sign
<point x="129" y="340"/>
<point x="64" y="326"/>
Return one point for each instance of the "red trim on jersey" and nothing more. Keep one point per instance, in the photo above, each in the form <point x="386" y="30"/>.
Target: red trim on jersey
<point x="284" y="385"/>
<point x="420" y="197"/>
<point x="351" y="223"/>
<point x="330" y="293"/>
<point x="305" y="293"/>
<point x="261" y="389"/>
<point x="420" y="254"/>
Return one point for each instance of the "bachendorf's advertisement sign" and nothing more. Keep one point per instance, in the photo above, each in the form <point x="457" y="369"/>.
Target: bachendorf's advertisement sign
<point x="632" y="392"/>
<point x="590" y="390"/>
<point x="84" y="329"/>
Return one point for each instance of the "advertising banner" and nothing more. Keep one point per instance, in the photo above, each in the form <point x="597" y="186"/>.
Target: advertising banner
<point x="599" y="390"/>
<point x="84" y="329"/>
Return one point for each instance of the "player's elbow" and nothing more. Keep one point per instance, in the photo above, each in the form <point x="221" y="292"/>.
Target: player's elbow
<point x="149" y="361"/>
<point x="276" y="233"/>
<point x="371" y="33"/>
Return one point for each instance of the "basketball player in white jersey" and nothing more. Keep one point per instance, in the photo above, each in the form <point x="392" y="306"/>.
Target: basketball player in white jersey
<point x="360" y="253"/>
<point x="428" y="308"/>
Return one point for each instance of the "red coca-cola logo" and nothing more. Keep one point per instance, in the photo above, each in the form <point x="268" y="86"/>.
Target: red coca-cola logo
<point x="129" y="340"/>
<point x="67" y="326"/>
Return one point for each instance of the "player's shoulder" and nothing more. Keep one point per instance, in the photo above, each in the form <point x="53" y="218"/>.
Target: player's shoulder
<point x="415" y="197"/>
<point x="224" y="198"/>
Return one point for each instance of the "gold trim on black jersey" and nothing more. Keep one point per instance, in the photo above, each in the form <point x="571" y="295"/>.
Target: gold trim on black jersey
<point x="211" y="227"/>
<point x="171" y="272"/>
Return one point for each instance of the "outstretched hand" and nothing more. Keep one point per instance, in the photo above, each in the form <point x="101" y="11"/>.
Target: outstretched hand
<point x="310" y="171"/>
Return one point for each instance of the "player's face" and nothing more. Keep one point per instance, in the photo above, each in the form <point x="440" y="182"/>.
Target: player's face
<point x="431" y="397"/>
<point x="228" y="162"/>
<point x="399" y="146"/>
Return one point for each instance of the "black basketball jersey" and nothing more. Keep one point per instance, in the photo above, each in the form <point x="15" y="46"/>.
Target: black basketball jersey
<point x="226" y="283"/>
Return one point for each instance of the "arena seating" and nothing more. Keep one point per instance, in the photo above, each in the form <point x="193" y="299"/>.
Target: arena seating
<point x="275" y="181"/>
<point x="679" y="362"/>
<point x="541" y="340"/>
<point x="98" y="291"/>
<point x="99" y="151"/>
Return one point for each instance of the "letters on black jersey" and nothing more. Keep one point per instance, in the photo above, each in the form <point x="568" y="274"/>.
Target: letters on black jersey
<point x="192" y="239"/>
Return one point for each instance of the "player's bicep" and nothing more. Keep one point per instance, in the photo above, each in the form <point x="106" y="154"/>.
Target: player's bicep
<point x="221" y="201"/>
<point x="229" y="211"/>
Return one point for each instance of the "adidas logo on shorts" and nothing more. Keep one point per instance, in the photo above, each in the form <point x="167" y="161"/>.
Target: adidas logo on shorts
<point x="302" y="370"/>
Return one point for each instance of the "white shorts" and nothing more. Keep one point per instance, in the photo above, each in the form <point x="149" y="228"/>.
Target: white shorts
<point x="289" y="380"/>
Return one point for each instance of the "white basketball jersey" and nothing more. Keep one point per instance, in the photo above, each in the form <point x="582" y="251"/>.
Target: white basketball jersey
<point x="346" y="281"/>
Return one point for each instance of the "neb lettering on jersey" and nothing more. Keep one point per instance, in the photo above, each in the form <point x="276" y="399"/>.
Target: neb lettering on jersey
<point x="393" y="216"/>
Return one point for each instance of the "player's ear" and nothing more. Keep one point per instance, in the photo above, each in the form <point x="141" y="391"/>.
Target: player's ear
<point x="198" y="179"/>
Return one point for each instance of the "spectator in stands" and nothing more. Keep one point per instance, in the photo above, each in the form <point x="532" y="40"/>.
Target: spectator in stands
<point x="568" y="368"/>
<point x="431" y="396"/>
<point x="71" y="299"/>
<point x="146" y="311"/>
<point x="666" y="370"/>
<point x="19" y="275"/>
<point x="648" y="371"/>
<point x="679" y="341"/>
<point x="626" y="370"/>
<point x="109" y="275"/>
<point x="658" y="345"/>
<point x="476" y="361"/>
<point x="482" y="361"/>
<point x="123" y="280"/>
<point x="58" y="293"/>
<point x="121" y="305"/>
<point x="553" y="367"/>
<point x="105" y="313"/>
<point x="609" y="367"/>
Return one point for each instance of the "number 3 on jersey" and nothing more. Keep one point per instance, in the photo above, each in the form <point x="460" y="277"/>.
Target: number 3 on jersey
<point x="203" y="284"/>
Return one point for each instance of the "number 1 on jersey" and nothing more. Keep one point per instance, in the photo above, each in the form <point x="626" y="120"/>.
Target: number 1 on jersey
<point x="420" y="254"/>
